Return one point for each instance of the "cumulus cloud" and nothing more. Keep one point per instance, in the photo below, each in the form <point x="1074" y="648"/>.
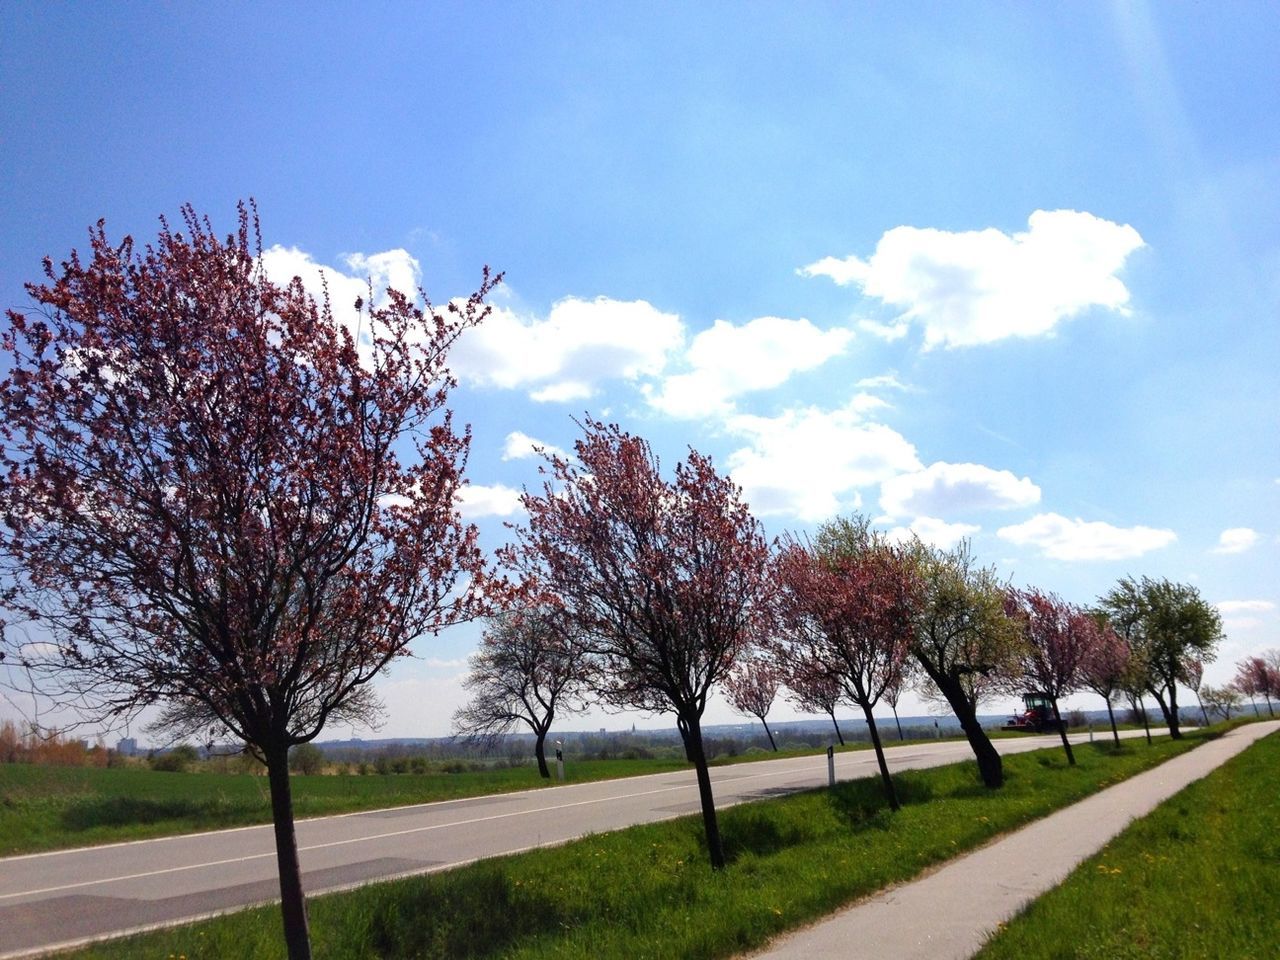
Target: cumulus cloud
<point x="520" y="446"/>
<point x="949" y="488"/>
<point x="1063" y="539"/>
<point x="981" y="286"/>
<point x="885" y="381"/>
<point x="728" y="360"/>
<point x="565" y="356"/>
<point x="477" y="500"/>
<point x="934" y="531"/>
<point x="809" y="463"/>
<point x="1236" y="540"/>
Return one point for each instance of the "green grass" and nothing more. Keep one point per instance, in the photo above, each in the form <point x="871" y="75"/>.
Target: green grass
<point x="1196" y="878"/>
<point x="648" y="891"/>
<point x="50" y="808"/>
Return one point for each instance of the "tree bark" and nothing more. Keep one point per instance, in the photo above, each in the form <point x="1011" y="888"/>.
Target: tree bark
<point x="540" y="751"/>
<point x="898" y="722"/>
<point x="1146" y="724"/>
<point x="683" y="727"/>
<point x="839" y="735"/>
<point x="990" y="766"/>
<point x="1269" y="710"/>
<point x="1114" y="731"/>
<point x="1203" y="712"/>
<point x="709" y="822"/>
<point x="293" y="907"/>
<point x="1062" y="731"/>
<point x="1170" y="711"/>
<point x="769" y="734"/>
<point x="884" y="767"/>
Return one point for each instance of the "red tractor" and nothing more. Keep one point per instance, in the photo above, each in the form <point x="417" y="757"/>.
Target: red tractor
<point x="1037" y="718"/>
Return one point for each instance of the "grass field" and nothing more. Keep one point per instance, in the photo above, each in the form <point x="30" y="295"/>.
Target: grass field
<point x="648" y="891"/>
<point x="1194" y="879"/>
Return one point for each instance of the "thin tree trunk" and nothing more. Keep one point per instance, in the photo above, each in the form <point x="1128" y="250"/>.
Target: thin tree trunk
<point x="884" y="767"/>
<point x="1111" y="714"/>
<point x="1254" y="703"/>
<point x="1146" y="724"/>
<point x="839" y="735"/>
<point x="1203" y="712"/>
<point x="540" y="751"/>
<point x="769" y="734"/>
<point x="1269" y="710"/>
<point x="898" y="722"/>
<point x="709" y="822"/>
<point x="293" y="906"/>
<point x="1062" y="732"/>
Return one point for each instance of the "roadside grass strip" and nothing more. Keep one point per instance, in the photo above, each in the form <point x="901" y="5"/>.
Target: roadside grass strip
<point x="1195" y="878"/>
<point x="648" y="891"/>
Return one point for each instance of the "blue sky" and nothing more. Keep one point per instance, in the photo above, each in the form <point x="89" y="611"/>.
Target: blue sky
<point x="1000" y="270"/>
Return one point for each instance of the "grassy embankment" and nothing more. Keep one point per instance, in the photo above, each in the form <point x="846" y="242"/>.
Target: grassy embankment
<point x="648" y="891"/>
<point x="1196" y="878"/>
<point x="50" y="808"/>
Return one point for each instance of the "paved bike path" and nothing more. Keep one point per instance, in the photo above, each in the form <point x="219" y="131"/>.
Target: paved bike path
<point x="948" y="914"/>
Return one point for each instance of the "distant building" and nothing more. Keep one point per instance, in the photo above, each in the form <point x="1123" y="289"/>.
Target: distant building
<point x="128" y="747"/>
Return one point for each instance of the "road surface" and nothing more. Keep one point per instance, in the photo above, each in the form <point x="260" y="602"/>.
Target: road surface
<point x="58" y="899"/>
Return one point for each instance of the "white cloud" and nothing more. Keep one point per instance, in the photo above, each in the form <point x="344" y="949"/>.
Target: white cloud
<point x="1245" y="606"/>
<point x="888" y="381"/>
<point x="565" y="356"/>
<point x="1063" y="539"/>
<point x="985" y="285"/>
<point x="396" y="269"/>
<point x="1236" y="540"/>
<point x="949" y="488"/>
<point x="519" y="446"/>
<point x="728" y="361"/>
<point x="477" y="500"/>
<point x="808" y="463"/>
<point x="436" y="663"/>
<point x="934" y="531"/>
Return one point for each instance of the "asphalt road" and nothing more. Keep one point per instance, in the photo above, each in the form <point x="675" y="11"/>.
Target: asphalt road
<point x="54" y="900"/>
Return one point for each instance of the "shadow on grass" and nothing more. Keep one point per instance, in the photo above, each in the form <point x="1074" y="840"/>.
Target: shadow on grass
<point x="471" y="915"/>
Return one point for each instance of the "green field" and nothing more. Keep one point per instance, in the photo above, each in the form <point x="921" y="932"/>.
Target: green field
<point x="1194" y="879"/>
<point x="648" y="891"/>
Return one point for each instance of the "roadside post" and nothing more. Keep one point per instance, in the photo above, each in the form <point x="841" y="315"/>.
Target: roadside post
<point x="831" y="765"/>
<point x="560" y="760"/>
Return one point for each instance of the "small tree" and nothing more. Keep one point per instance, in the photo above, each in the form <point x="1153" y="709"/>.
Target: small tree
<point x="1167" y="622"/>
<point x="963" y="641"/>
<point x="813" y="691"/>
<point x="667" y="578"/>
<point x="893" y="693"/>
<point x="1193" y="676"/>
<point x="204" y="499"/>
<point x="1057" y="642"/>
<point x="531" y="667"/>
<point x="1254" y="679"/>
<point x="846" y="604"/>
<point x="1221" y="700"/>
<point x="1106" y="666"/>
<point x="751" y="689"/>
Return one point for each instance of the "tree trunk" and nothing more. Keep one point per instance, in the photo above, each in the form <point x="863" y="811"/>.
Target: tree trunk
<point x="683" y="727"/>
<point x="1112" y="715"/>
<point x="989" y="764"/>
<point x="1254" y="703"/>
<point x="709" y="822"/>
<point x="884" y="767"/>
<point x="293" y="906"/>
<point x="839" y="735"/>
<point x="1146" y="724"/>
<point x="1170" y="711"/>
<point x="1269" y="710"/>
<point x="540" y="751"/>
<point x="769" y="734"/>
<point x="1062" y="732"/>
<point x="898" y="722"/>
<point x="1204" y="713"/>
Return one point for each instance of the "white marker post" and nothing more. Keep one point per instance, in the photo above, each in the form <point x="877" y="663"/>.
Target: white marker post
<point x="560" y="760"/>
<point x="831" y="765"/>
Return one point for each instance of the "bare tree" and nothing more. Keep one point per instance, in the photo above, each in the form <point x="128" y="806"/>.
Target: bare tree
<point x="531" y="667"/>
<point x="752" y="687"/>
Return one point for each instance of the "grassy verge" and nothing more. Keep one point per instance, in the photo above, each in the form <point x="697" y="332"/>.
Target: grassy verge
<point x="1196" y="878"/>
<point x="648" y="892"/>
<point x="50" y="808"/>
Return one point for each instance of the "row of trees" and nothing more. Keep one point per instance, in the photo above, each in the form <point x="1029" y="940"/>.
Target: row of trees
<point x="1256" y="676"/>
<point x="218" y="499"/>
